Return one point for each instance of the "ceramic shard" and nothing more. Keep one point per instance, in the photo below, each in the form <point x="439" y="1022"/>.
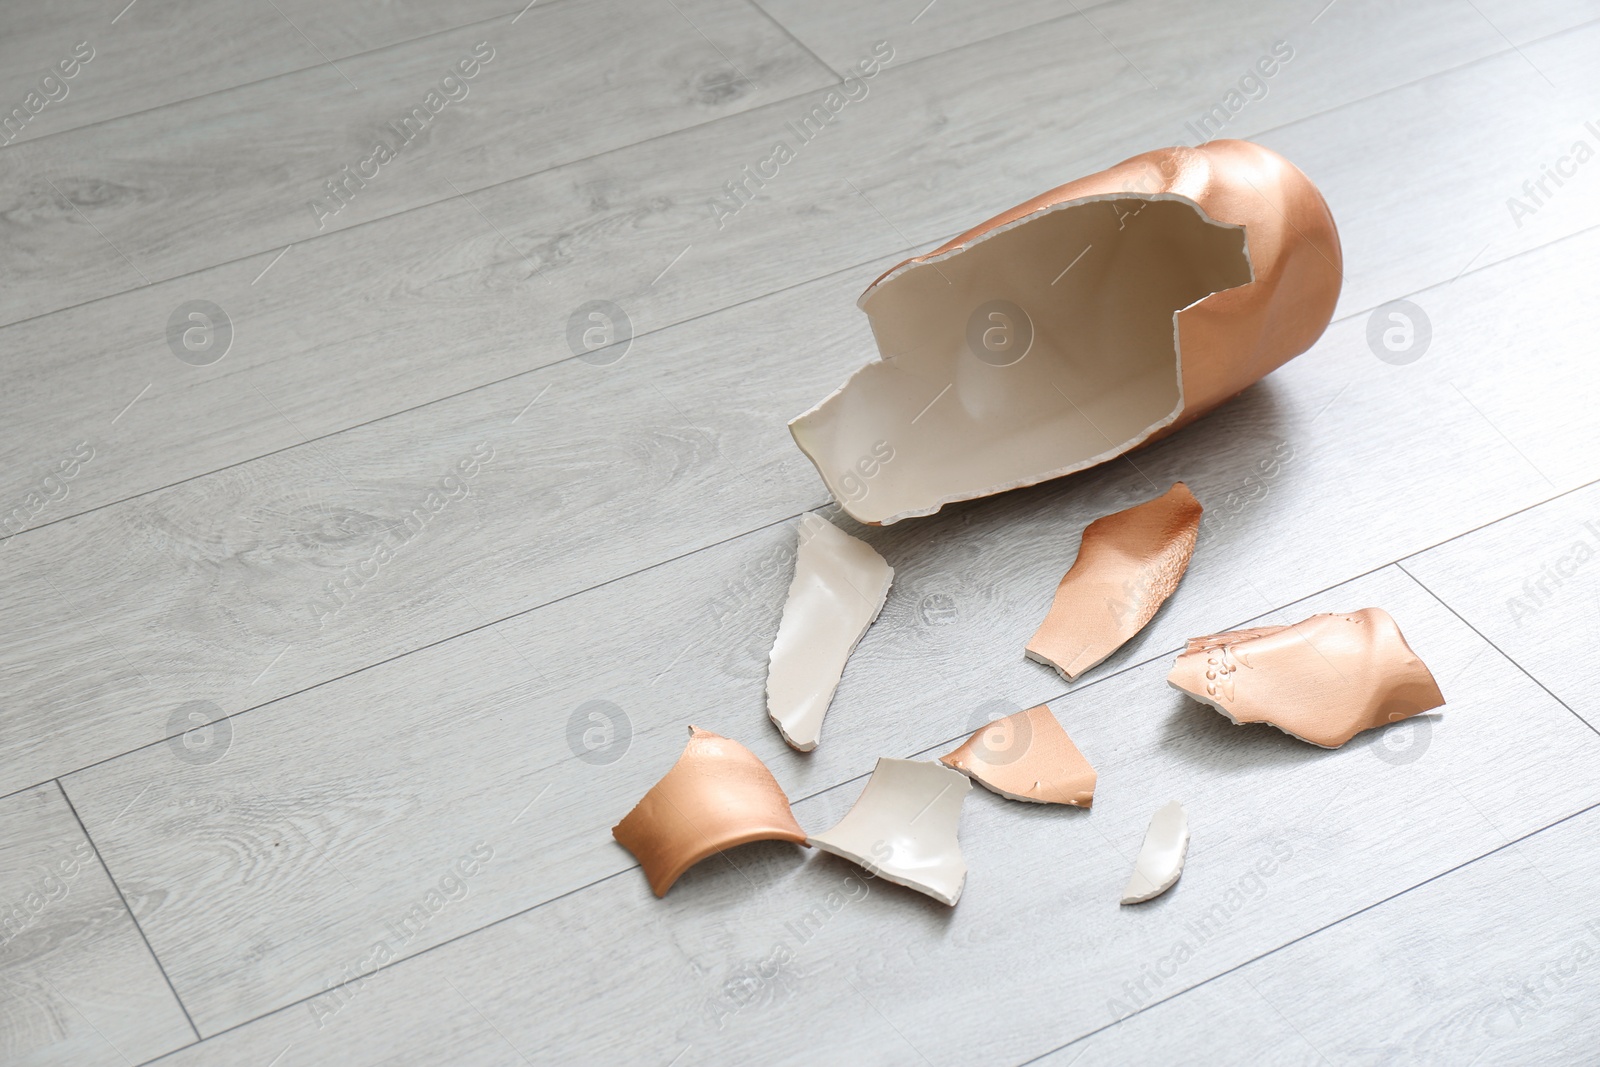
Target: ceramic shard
<point x="1160" y="860"/>
<point x="1128" y="565"/>
<point x="1077" y="326"/>
<point x="1027" y="756"/>
<point x="903" y="827"/>
<point x="1323" y="680"/>
<point x="839" y="587"/>
<point x="718" y="795"/>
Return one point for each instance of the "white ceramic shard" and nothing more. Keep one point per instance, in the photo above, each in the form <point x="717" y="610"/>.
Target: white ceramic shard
<point x="903" y="827"/>
<point x="839" y="587"/>
<point x="1161" y="857"/>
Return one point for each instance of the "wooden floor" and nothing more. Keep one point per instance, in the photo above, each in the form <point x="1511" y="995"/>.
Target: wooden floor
<point x="268" y="799"/>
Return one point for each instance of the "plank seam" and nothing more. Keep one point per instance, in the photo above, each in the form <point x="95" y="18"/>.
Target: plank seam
<point x="735" y="115"/>
<point x="789" y="518"/>
<point x="1327" y="926"/>
<point x="262" y="81"/>
<point x="1486" y="640"/>
<point x="131" y="916"/>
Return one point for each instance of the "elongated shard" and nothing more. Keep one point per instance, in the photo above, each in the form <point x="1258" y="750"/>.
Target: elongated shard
<point x="1128" y="565"/>
<point x="839" y="587"/>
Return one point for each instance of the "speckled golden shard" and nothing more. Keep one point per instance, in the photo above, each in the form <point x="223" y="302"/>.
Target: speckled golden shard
<point x="1027" y="756"/>
<point x="718" y="795"/>
<point x="1323" y="680"/>
<point x="1128" y="565"/>
<point x="1077" y="326"/>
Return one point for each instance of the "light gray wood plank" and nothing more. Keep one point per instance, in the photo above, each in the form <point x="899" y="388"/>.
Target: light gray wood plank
<point x="154" y="54"/>
<point x="1494" y="963"/>
<point x="1397" y="230"/>
<point x="1203" y="51"/>
<point x="363" y="323"/>
<point x="1524" y="22"/>
<point x="842" y="33"/>
<point x="592" y="472"/>
<point x="1530" y="584"/>
<point x="77" y="984"/>
<point x="1221" y="1021"/>
<point x="609" y="974"/>
<point x="208" y="591"/>
<point x="180" y="188"/>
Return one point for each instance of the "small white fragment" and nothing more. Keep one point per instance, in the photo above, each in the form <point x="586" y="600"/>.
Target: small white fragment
<point x="839" y="586"/>
<point x="1160" y="859"/>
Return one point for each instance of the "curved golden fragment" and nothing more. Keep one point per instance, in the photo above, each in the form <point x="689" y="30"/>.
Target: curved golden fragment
<point x="1027" y="756"/>
<point x="719" y="794"/>
<point x="1128" y="565"/>
<point x="1070" y="329"/>
<point x="1323" y="680"/>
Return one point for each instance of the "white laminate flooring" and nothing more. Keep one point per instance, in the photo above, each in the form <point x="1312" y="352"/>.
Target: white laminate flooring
<point x="220" y="789"/>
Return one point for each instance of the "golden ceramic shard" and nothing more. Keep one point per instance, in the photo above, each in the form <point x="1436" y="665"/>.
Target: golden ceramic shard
<point x="1075" y="327"/>
<point x="1323" y="680"/>
<point x="1128" y="565"/>
<point x="1027" y="756"/>
<point x="719" y="794"/>
<point x="903" y="828"/>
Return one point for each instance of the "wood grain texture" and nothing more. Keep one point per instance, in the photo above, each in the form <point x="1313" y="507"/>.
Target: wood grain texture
<point x="611" y="975"/>
<point x="149" y="55"/>
<point x="1525" y="22"/>
<point x="77" y="984"/>
<point x="180" y="188"/>
<point x="1531" y="584"/>
<point x="841" y="32"/>
<point x="210" y="590"/>
<point x="360" y="324"/>
<point x="587" y="473"/>
<point x="1494" y="963"/>
<point x="367" y="633"/>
